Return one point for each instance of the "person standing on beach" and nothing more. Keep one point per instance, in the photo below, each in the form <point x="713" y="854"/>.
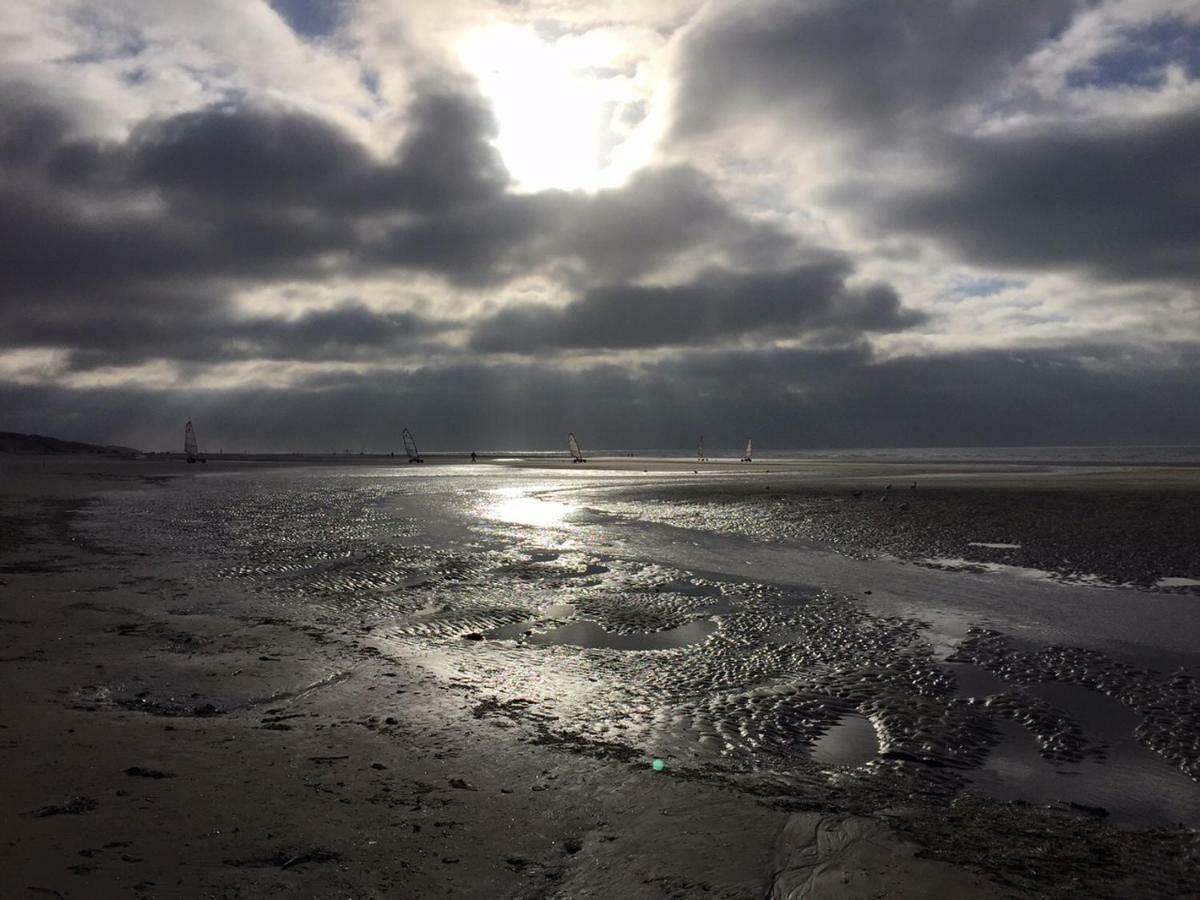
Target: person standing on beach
<point x="472" y="456"/>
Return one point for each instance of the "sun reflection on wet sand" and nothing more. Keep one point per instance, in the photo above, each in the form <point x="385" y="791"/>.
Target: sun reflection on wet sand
<point x="515" y="505"/>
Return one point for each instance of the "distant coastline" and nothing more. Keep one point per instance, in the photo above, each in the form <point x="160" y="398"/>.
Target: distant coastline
<point x="14" y="442"/>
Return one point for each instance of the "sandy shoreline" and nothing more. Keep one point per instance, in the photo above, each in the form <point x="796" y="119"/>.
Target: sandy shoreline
<point x="168" y="737"/>
<point x="163" y="742"/>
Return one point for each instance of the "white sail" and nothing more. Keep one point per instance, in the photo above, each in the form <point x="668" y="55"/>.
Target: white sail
<point x="410" y="446"/>
<point x="190" y="447"/>
<point x="573" y="446"/>
<point x="749" y="448"/>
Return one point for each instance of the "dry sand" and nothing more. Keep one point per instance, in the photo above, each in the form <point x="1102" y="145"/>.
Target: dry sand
<point x="161" y="739"/>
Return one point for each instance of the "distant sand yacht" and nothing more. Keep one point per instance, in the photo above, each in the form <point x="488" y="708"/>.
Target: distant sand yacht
<point x="748" y="457"/>
<point x="573" y="446"/>
<point x="700" y="450"/>
<point x="410" y="447"/>
<point x="190" y="447"/>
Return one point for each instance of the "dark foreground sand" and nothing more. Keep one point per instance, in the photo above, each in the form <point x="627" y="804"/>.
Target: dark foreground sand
<point x="283" y="756"/>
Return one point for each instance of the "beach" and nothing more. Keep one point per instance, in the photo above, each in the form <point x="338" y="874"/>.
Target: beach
<point x="634" y="677"/>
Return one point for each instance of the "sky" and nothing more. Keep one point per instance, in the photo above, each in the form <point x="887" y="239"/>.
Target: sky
<point x="305" y="224"/>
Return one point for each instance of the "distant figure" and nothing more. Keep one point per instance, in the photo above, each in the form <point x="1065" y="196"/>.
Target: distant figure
<point x="473" y="456"/>
<point x="888" y="488"/>
<point x="914" y="486"/>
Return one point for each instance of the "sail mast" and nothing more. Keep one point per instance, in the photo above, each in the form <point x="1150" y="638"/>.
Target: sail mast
<point x="410" y="446"/>
<point x="190" y="447"/>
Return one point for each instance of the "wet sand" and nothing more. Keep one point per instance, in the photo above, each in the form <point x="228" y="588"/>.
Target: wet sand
<point x="175" y="729"/>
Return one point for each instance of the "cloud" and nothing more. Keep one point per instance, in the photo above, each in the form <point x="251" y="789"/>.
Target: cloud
<point x="109" y="250"/>
<point x="665" y="214"/>
<point x="203" y="331"/>
<point x="718" y="306"/>
<point x="781" y="398"/>
<point x="248" y="155"/>
<point x="308" y="199"/>
<point x="860" y="65"/>
<point x="1119" y="202"/>
<point x="27" y="130"/>
<point x="244" y="192"/>
<point x="252" y="190"/>
<point x="663" y="211"/>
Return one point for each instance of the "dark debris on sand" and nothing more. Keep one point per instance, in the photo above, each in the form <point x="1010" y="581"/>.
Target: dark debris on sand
<point x="1048" y="853"/>
<point x="287" y="858"/>
<point x="73" y="807"/>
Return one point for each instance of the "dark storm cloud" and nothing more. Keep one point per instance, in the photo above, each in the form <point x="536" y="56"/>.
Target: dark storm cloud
<point x="241" y="192"/>
<point x="108" y="250"/>
<point x="446" y="158"/>
<point x="858" y="63"/>
<point x="781" y="398"/>
<point x="202" y="330"/>
<point x="1069" y="395"/>
<point x="718" y="306"/>
<point x="257" y="155"/>
<point x="610" y="235"/>
<point x="250" y="192"/>
<point x="244" y="155"/>
<point x="28" y="131"/>
<point x="58" y="249"/>
<point x="1115" y="199"/>
<point x="1120" y="202"/>
<point x="122" y="254"/>
<point x="662" y="211"/>
<point x="478" y="246"/>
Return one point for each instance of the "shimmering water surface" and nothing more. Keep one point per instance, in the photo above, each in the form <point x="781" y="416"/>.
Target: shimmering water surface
<point x="703" y="636"/>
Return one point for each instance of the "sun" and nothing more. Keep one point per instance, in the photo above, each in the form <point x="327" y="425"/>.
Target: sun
<point x="557" y="105"/>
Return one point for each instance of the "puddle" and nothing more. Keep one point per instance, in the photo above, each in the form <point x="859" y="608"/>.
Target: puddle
<point x="691" y="589"/>
<point x="958" y="564"/>
<point x="1099" y="715"/>
<point x="975" y="681"/>
<point x="1138" y="787"/>
<point x="589" y="634"/>
<point x="993" y="545"/>
<point x="517" y="630"/>
<point x="1174" y="581"/>
<point x="851" y="742"/>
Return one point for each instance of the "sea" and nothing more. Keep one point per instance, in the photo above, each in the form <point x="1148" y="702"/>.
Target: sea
<point x="1149" y="455"/>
